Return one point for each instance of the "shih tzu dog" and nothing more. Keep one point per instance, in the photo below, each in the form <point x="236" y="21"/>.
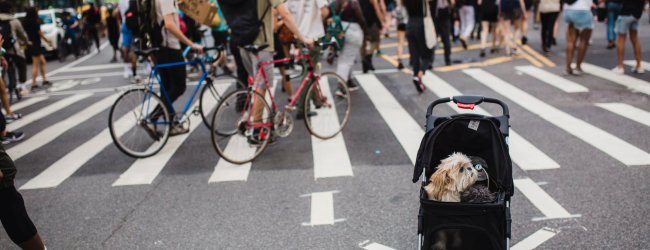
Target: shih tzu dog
<point x="454" y="174"/>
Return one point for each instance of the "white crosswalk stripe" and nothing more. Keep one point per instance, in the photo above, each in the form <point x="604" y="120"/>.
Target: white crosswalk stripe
<point x="628" y="111"/>
<point x="27" y="102"/>
<point x="46" y="111"/>
<point x="52" y="132"/>
<point x="615" y="147"/>
<point x="631" y="83"/>
<point x="632" y="63"/>
<point x="552" y="79"/>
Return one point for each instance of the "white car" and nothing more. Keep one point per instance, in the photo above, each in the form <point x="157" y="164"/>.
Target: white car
<point x="51" y="27"/>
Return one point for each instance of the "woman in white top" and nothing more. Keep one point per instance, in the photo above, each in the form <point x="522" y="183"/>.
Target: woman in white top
<point x="579" y="18"/>
<point x="549" y="10"/>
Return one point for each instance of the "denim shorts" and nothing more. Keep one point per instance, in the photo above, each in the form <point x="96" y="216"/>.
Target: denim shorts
<point x="127" y="37"/>
<point x="626" y="23"/>
<point x="581" y="19"/>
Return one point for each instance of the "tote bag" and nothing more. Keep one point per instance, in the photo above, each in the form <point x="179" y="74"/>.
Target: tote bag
<point x="429" y="29"/>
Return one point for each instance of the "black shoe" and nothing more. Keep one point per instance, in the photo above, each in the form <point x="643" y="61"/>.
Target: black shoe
<point x="418" y="84"/>
<point x="611" y="45"/>
<point x="482" y="53"/>
<point x="524" y="40"/>
<point x="553" y="41"/>
<point x="463" y="43"/>
<point x="301" y="116"/>
<point x="352" y="86"/>
<point x="364" y="66"/>
<point x="447" y="62"/>
<point x="400" y="66"/>
<point x="368" y="60"/>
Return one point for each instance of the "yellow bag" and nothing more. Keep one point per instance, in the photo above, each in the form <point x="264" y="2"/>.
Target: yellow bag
<point x="201" y="11"/>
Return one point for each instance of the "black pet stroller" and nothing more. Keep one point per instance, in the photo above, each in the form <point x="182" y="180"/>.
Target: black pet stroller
<point x="466" y="225"/>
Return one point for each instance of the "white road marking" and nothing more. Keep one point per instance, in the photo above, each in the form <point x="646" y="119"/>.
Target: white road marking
<point x="631" y="83"/>
<point x="598" y="138"/>
<point x="97" y="67"/>
<point x="143" y="171"/>
<point x="62" y="169"/>
<point x="632" y="63"/>
<point x="627" y="111"/>
<point x="27" y="102"/>
<point x="542" y="200"/>
<point x="522" y="152"/>
<point x="535" y="240"/>
<point x="331" y="157"/>
<point x="227" y="171"/>
<point x="71" y="77"/>
<point x="75" y="62"/>
<point x="552" y="79"/>
<point x="379" y="71"/>
<point x="407" y="131"/>
<point x="46" y="111"/>
<point x="374" y="246"/>
<point x="322" y="209"/>
<point x="52" y="132"/>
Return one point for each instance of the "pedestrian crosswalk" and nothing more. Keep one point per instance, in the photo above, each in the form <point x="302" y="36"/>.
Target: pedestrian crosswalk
<point x="333" y="158"/>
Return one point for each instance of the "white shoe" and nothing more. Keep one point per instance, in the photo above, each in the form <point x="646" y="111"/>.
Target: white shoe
<point x="639" y="70"/>
<point x="618" y="70"/>
<point x="127" y="72"/>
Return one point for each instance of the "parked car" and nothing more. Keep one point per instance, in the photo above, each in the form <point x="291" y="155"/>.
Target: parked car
<point x="52" y="27"/>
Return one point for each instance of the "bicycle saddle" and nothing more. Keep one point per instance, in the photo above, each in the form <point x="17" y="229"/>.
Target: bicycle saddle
<point x="255" y="48"/>
<point x="145" y="52"/>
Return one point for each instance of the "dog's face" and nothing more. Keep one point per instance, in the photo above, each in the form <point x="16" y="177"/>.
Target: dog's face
<point x="454" y="174"/>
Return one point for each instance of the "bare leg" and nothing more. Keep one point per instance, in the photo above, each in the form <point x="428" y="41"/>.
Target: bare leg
<point x="634" y="38"/>
<point x="5" y="97"/>
<point x="485" y="29"/>
<point x="35" y="66"/>
<point x="42" y="68"/>
<point x="400" y="43"/>
<point x="571" y="36"/>
<point x="620" y="49"/>
<point x="582" y="49"/>
<point x="505" y="31"/>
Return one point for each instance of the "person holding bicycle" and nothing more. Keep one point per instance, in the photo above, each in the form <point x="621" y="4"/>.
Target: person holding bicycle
<point x="71" y="28"/>
<point x="173" y="78"/>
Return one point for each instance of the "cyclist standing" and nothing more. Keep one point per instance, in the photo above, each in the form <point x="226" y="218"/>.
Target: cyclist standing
<point x="172" y="78"/>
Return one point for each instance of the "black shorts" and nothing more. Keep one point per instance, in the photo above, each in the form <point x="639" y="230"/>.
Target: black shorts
<point x="220" y="37"/>
<point x="34" y="50"/>
<point x="14" y="216"/>
<point x="401" y="27"/>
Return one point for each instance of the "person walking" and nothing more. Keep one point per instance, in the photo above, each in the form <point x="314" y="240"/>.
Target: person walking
<point x="421" y="54"/>
<point x="32" y="25"/>
<point x="613" y="9"/>
<point x="488" y="14"/>
<point x="579" y="19"/>
<point x="352" y="19"/>
<point x="628" y="22"/>
<point x="549" y="11"/>
<point x="113" y="28"/>
<point x="511" y="12"/>
<point x="467" y="20"/>
<point x="14" y="55"/>
<point x="374" y="17"/>
<point x="71" y="31"/>
<point x="401" y="16"/>
<point x="91" y="18"/>
<point x="442" y="17"/>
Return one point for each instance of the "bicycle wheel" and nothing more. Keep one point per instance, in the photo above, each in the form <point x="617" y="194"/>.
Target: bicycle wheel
<point x="133" y="129"/>
<point x="330" y="99"/>
<point x="213" y="92"/>
<point x="238" y="136"/>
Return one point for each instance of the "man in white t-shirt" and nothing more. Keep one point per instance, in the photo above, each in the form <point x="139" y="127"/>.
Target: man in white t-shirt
<point x="309" y="15"/>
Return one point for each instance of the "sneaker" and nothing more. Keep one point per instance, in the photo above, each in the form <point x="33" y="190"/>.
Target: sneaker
<point x="178" y="130"/>
<point x="618" y="70"/>
<point x="127" y="72"/>
<point x="13" y="117"/>
<point x="482" y="54"/>
<point x="47" y="83"/>
<point x="463" y="43"/>
<point x="12" y="137"/>
<point x="524" y="40"/>
<point x="611" y="45"/>
<point x="418" y="84"/>
<point x="352" y="86"/>
<point x="639" y="70"/>
<point x="578" y="72"/>
<point x="339" y="93"/>
<point x="136" y="79"/>
<point x="256" y="139"/>
<point x="400" y="66"/>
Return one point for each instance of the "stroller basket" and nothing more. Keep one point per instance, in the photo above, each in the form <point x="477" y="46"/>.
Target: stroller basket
<point x="455" y="225"/>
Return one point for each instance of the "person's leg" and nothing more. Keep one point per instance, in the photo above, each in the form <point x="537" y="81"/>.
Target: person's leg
<point x="634" y="38"/>
<point x="571" y="36"/>
<point x="42" y="68"/>
<point x="95" y="36"/>
<point x="620" y="50"/>
<point x="4" y="96"/>
<point x="585" y="35"/>
<point x="445" y="32"/>
<point x="401" y="37"/>
<point x="612" y="14"/>
<point x="35" y="65"/>
<point x="505" y="32"/>
<point x="545" y="35"/>
<point x="353" y="42"/>
<point x="484" y="35"/>
<point x="14" y="217"/>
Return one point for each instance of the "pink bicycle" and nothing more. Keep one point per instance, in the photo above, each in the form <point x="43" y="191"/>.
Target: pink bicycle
<point x="245" y="121"/>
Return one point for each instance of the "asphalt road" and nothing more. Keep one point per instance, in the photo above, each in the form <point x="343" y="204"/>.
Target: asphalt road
<point x="581" y="170"/>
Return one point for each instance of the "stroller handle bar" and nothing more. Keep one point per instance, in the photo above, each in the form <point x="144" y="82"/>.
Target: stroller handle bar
<point x="468" y="102"/>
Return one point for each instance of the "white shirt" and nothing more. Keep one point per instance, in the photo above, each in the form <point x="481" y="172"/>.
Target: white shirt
<point x="306" y="13"/>
<point x="166" y="7"/>
<point x="124" y="6"/>
<point x="579" y="5"/>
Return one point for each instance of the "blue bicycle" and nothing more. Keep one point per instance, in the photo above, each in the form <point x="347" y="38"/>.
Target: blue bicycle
<point x="141" y="119"/>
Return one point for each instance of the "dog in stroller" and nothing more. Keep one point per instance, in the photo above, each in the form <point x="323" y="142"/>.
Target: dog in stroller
<point x="448" y="218"/>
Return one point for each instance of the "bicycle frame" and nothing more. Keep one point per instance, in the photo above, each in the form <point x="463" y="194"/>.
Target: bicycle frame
<point x="165" y="96"/>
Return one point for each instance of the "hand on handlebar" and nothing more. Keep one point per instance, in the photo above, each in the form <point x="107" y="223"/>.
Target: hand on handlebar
<point x="309" y="43"/>
<point x="198" y="48"/>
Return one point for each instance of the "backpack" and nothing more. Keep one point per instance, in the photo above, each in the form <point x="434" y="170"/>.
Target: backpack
<point x="150" y="29"/>
<point x="7" y="35"/>
<point x="131" y="19"/>
<point x="242" y="18"/>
